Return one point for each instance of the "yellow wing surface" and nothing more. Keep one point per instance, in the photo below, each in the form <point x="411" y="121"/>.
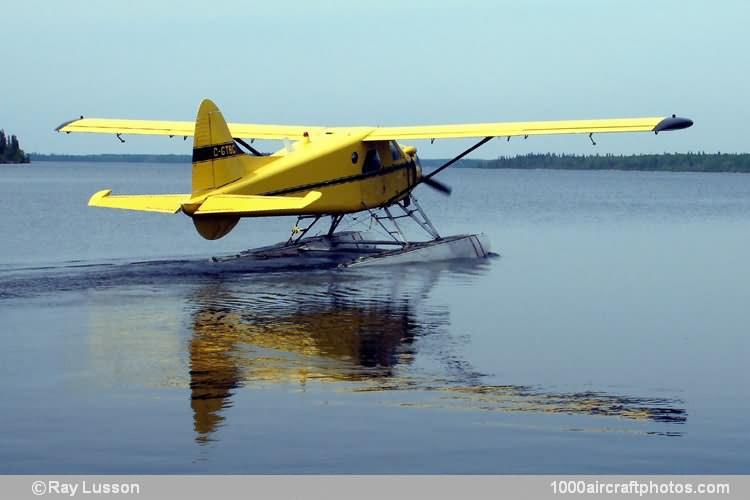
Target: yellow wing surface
<point x="256" y="205"/>
<point x="164" y="203"/>
<point x="280" y="132"/>
<point x="212" y="205"/>
<point x="509" y="129"/>
<point x="182" y="128"/>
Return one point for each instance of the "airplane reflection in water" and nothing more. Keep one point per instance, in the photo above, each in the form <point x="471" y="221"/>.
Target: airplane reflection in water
<point x="321" y="337"/>
<point x="371" y="342"/>
<point x="363" y="333"/>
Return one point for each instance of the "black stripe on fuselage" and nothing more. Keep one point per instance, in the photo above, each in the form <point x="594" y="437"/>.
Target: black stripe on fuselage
<point x="216" y="152"/>
<point x="341" y="180"/>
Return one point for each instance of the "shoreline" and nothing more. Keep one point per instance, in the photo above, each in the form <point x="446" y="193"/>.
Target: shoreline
<point x="666" y="162"/>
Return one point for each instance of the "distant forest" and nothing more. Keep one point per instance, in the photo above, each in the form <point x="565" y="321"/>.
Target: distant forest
<point x="667" y="162"/>
<point x="10" y="150"/>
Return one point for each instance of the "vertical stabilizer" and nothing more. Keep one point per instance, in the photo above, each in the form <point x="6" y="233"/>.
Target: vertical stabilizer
<point x="217" y="160"/>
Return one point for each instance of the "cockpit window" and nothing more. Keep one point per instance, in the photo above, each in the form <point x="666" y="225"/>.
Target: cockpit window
<point x="395" y="151"/>
<point x="372" y="162"/>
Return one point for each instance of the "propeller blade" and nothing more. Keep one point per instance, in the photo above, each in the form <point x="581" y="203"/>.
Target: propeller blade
<point x="437" y="185"/>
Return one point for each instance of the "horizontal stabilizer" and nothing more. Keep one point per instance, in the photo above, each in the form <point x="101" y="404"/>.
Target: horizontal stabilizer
<point x="164" y="203"/>
<point x="256" y="205"/>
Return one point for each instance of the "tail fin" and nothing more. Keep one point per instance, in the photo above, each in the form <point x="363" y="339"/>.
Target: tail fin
<point x="217" y="160"/>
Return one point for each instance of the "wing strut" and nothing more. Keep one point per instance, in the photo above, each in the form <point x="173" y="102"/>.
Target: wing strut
<point x="439" y="186"/>
<point x="454" y="160"/>
<point x="248" y="147"/>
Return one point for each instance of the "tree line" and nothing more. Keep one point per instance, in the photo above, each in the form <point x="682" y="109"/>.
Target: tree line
<point x="10" y="150"/>
<point x="668" y="162"/>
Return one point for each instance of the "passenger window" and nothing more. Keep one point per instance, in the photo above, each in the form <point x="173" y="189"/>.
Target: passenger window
<point x="395" y="151"/>
<point x="372" y="162"/>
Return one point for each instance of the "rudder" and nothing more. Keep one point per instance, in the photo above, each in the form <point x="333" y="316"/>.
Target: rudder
<point x="217" y="160"/>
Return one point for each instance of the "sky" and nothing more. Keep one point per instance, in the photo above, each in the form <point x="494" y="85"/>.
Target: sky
<point x="385" y="62"/>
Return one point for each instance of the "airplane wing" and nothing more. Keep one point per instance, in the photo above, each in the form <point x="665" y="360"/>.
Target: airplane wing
<point x="508" y="129"/>
<point x="182" y="128"/>
<point x="280" y="132"/>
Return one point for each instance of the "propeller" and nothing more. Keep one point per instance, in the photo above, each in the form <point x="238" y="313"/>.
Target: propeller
<point x="437" y="185"/>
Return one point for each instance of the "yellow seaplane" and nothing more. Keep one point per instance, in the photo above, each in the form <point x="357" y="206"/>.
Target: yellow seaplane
<point x="321" y="172"/>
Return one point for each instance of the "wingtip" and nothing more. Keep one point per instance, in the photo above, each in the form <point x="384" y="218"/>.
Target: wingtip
<point x="673" y="123"/>
<point x="60" y="127"/>
<point x="98" y="196"/>
<point x="312" y="196"/>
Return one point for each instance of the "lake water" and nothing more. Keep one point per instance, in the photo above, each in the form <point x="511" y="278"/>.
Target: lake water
<point x="609" y="336"/>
